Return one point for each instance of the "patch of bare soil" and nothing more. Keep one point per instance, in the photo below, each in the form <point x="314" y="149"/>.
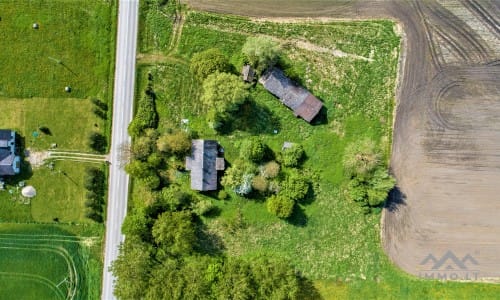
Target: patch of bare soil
<point x="36" y="158"/>
<point x="443" y="221"/>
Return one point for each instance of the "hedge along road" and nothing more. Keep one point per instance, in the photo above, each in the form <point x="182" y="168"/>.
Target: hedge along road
<point x="446" y="133"/>
<point x="123" y="99"/>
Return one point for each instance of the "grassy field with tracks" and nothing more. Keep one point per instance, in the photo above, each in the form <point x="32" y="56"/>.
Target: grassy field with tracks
<point x="47" y="262"/>
<point x="329" y="239"/>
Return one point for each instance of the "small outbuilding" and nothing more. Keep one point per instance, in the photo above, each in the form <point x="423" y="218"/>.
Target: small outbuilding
<point x="204" y="164"/>
<point x="36" y="26"/>
<point x="248" y="73"/>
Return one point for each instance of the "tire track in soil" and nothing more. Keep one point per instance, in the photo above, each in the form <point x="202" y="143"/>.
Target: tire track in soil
<point x="458" y="33"/>
<point x="490" y="20"/>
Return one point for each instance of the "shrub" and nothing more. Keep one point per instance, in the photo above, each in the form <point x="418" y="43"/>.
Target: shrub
<point x="270" y="169"/>
<point x="222" y="195"/>
<point x="292" y="156"/>
<point x="370" y="191"/>
<point x="239" y="177"/>
<point x="280" y="206"/>
<point x="252" y="149"/>
<point x="178" y="143"/>
<point x="361" y="158"/>
<point x="100" y="104"/>
<point x="93" y="215"/>
<point x="259" y="183"/>
<point x="207" y="62"/>
<point x="203" y="207"/>
<point x="295" y="186"/>
<point x="97" y="142"/>
<point x="146" y="116"/>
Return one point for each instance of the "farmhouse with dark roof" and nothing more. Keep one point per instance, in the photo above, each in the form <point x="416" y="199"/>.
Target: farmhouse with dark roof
<point x="10" y="163"/>
<point x="204" y="163"/>
<point x="297" y="98"/>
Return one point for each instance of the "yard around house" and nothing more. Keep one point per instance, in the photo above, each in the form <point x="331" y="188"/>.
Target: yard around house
<point x="329" y="239"/>
<point x="72" y="47"/>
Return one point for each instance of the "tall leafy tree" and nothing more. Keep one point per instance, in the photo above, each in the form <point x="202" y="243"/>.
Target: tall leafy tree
<point x="207" y="62"/>
<point x="222" y="95"/>
<point x="262" y="52"/>
<point x="132" y="269"/>
<point x="174" y="233"/>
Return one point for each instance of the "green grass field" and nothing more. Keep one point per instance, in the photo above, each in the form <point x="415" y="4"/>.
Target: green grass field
<point x="330" y="240"/>
<point x="60" y="195"/>
<point x="69" y="120"/>
<point x="73" y="46"/>
<point x="47" y="262"/>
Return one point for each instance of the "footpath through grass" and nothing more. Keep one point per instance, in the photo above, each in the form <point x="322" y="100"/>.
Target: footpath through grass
<point x="329" y="239"/>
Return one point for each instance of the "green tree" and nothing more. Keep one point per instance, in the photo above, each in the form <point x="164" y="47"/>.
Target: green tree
<point x="132" y="269"/>
<point x="97" y="142"/>
<point x="280" y="206"/>
<point x="292" y="156"/>
<point x="252" y="149"/>
<point x="275" y="278"/>
<point x="294" y="186"/>
<point x="137" y="224"/>
<point x="138" y="169"/>
<point x="380" y="186"/>
<point x="371" y="191"/>
<point x="177" y="143"/>
<point x="142" y="148"/>
<point x="207" y="62"/>
<point x="361" y="157"/>
<point x="174" y="232"/>
<point x="235" y="281"/>
<point x="146" y="115"/>
<point x="222" y="94"/>
<point x="174" y="199"/>
<point x="151" y="181"/>
<point x="261" y="52"/>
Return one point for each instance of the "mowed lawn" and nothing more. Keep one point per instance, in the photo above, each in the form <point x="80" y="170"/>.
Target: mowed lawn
<point x="329" y="239"/>
<point x="69" y="120"/>
<point x="60" y="196"/>
<point x="46" y="262"/>
<point x="72" y="47"/>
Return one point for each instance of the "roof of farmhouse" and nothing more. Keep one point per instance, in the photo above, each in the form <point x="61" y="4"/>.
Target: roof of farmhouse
<point x="204" y="164"/>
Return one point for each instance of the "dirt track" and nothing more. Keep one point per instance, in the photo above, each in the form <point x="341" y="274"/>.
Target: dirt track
<point x="446" y="146"/>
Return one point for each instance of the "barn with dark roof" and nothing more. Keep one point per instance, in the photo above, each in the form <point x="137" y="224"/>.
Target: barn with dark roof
<point x="301" y="101"/>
